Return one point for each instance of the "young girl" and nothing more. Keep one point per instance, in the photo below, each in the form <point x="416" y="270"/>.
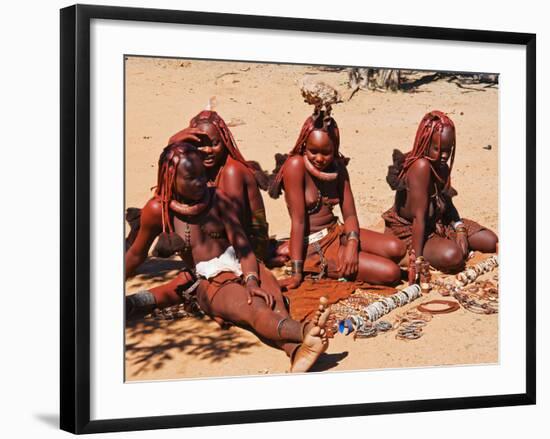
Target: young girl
<point x="229" y="284"/>
<point x="315" y="179"/>
<point x="423" y="215"/>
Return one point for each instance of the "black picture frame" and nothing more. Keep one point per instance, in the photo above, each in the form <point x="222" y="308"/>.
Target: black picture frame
<point x="75" y="217"/>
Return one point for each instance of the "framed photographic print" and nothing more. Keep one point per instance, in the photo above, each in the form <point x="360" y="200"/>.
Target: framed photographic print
<point x="261" y="214"/>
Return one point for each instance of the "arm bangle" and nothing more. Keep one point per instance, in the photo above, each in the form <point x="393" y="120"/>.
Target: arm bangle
<point x="353" y="235"/>
<point x="251" y="275"/>
<point x="457" y="224"/>
<point x="297" y="267"/>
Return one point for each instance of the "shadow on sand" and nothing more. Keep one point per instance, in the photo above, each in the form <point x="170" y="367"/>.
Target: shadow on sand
<point x="155" y="270"/>
<point x="328" y="361"/>
<point x="178" y="337"/>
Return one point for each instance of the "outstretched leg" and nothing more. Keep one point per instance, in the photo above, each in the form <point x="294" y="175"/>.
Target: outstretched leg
<point x="315" y="340"/>
<point x="142" y="303"/>
<point x="231" y="304"/>
<point x="270" y="284"/>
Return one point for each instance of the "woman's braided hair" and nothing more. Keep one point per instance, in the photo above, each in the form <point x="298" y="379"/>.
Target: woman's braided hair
<point x="166" y="179"/>
<point x="432" y="123"/>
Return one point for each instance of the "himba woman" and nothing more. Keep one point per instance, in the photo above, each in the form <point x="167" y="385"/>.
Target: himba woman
<point x="229" y="284"/>
<point x="315" y="179"/>
<point x="423" y="215"/>
<point x="226" y="169"/>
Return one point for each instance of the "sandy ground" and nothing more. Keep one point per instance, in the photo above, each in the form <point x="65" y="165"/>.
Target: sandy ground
<point x="264" y="103"/>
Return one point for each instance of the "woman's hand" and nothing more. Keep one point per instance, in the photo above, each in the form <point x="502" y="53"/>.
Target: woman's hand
<point x="349" y="261"/>
<point x="291" y="282"/>
<point x="188" y="134"/>
<point x="253" y="289"/>
<point x="462" y="241"/>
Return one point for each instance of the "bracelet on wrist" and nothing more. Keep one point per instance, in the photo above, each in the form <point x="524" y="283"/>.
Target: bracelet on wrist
<point x="297" y="267"/>
<point x="251" y="276"/>
<point x="353" y="235"/>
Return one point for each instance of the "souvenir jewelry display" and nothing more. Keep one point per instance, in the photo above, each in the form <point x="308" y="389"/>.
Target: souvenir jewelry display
<point x="360" y="312"/>
<point x="451" y="285"/>
<point x="480" y="297"/>
<point x="409" y="325"/>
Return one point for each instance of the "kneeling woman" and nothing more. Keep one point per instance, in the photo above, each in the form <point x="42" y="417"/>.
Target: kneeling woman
<point x="424" y="216"/>
<point x="230" y="285"/>
<point x="315" y="180"/>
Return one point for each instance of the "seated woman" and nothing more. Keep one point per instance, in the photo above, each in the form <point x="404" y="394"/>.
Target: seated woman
<point x="229" y="284"/>
<point x="227" y="169"/>
<point x="423" y="215"/>
<point x="315" y="179"/>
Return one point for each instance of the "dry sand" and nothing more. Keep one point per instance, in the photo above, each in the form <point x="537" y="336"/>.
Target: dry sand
<point x="264" y="102"/>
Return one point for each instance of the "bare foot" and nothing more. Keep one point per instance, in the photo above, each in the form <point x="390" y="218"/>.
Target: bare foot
<point x="323" y="303"/>
<point x="315" y="341"/>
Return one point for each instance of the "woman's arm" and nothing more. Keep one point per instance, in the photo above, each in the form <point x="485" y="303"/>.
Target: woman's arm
<point x="347" y="204"/>
<point x="237" y="238"/>
<point x="458" y="225"/>
<point x="239" y="184"/>
<point x="188" y="134"/>
<point x="294" y="184"/>
<point x="418" y="180"/>
<point x="349" y="263"/>
<point x="150" y="227"/>
<point x="452" y="211"/>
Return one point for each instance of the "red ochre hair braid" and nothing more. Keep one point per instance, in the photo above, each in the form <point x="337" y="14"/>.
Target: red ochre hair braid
<point x="166" y="178"/>
<point x="432" y="122"/>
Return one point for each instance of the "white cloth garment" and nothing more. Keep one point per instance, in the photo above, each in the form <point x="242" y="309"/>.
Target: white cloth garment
<point x="225" y="262"/>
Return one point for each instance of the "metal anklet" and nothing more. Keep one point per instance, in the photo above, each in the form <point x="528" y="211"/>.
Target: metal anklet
<point x="280" y="325"/>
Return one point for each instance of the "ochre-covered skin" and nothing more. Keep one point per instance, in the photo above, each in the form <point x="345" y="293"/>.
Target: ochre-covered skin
<point x="310" y="198"/>
<point x="423" y="200"/>
<point x="204" y="235"/>
<point x="227" y="169"/>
